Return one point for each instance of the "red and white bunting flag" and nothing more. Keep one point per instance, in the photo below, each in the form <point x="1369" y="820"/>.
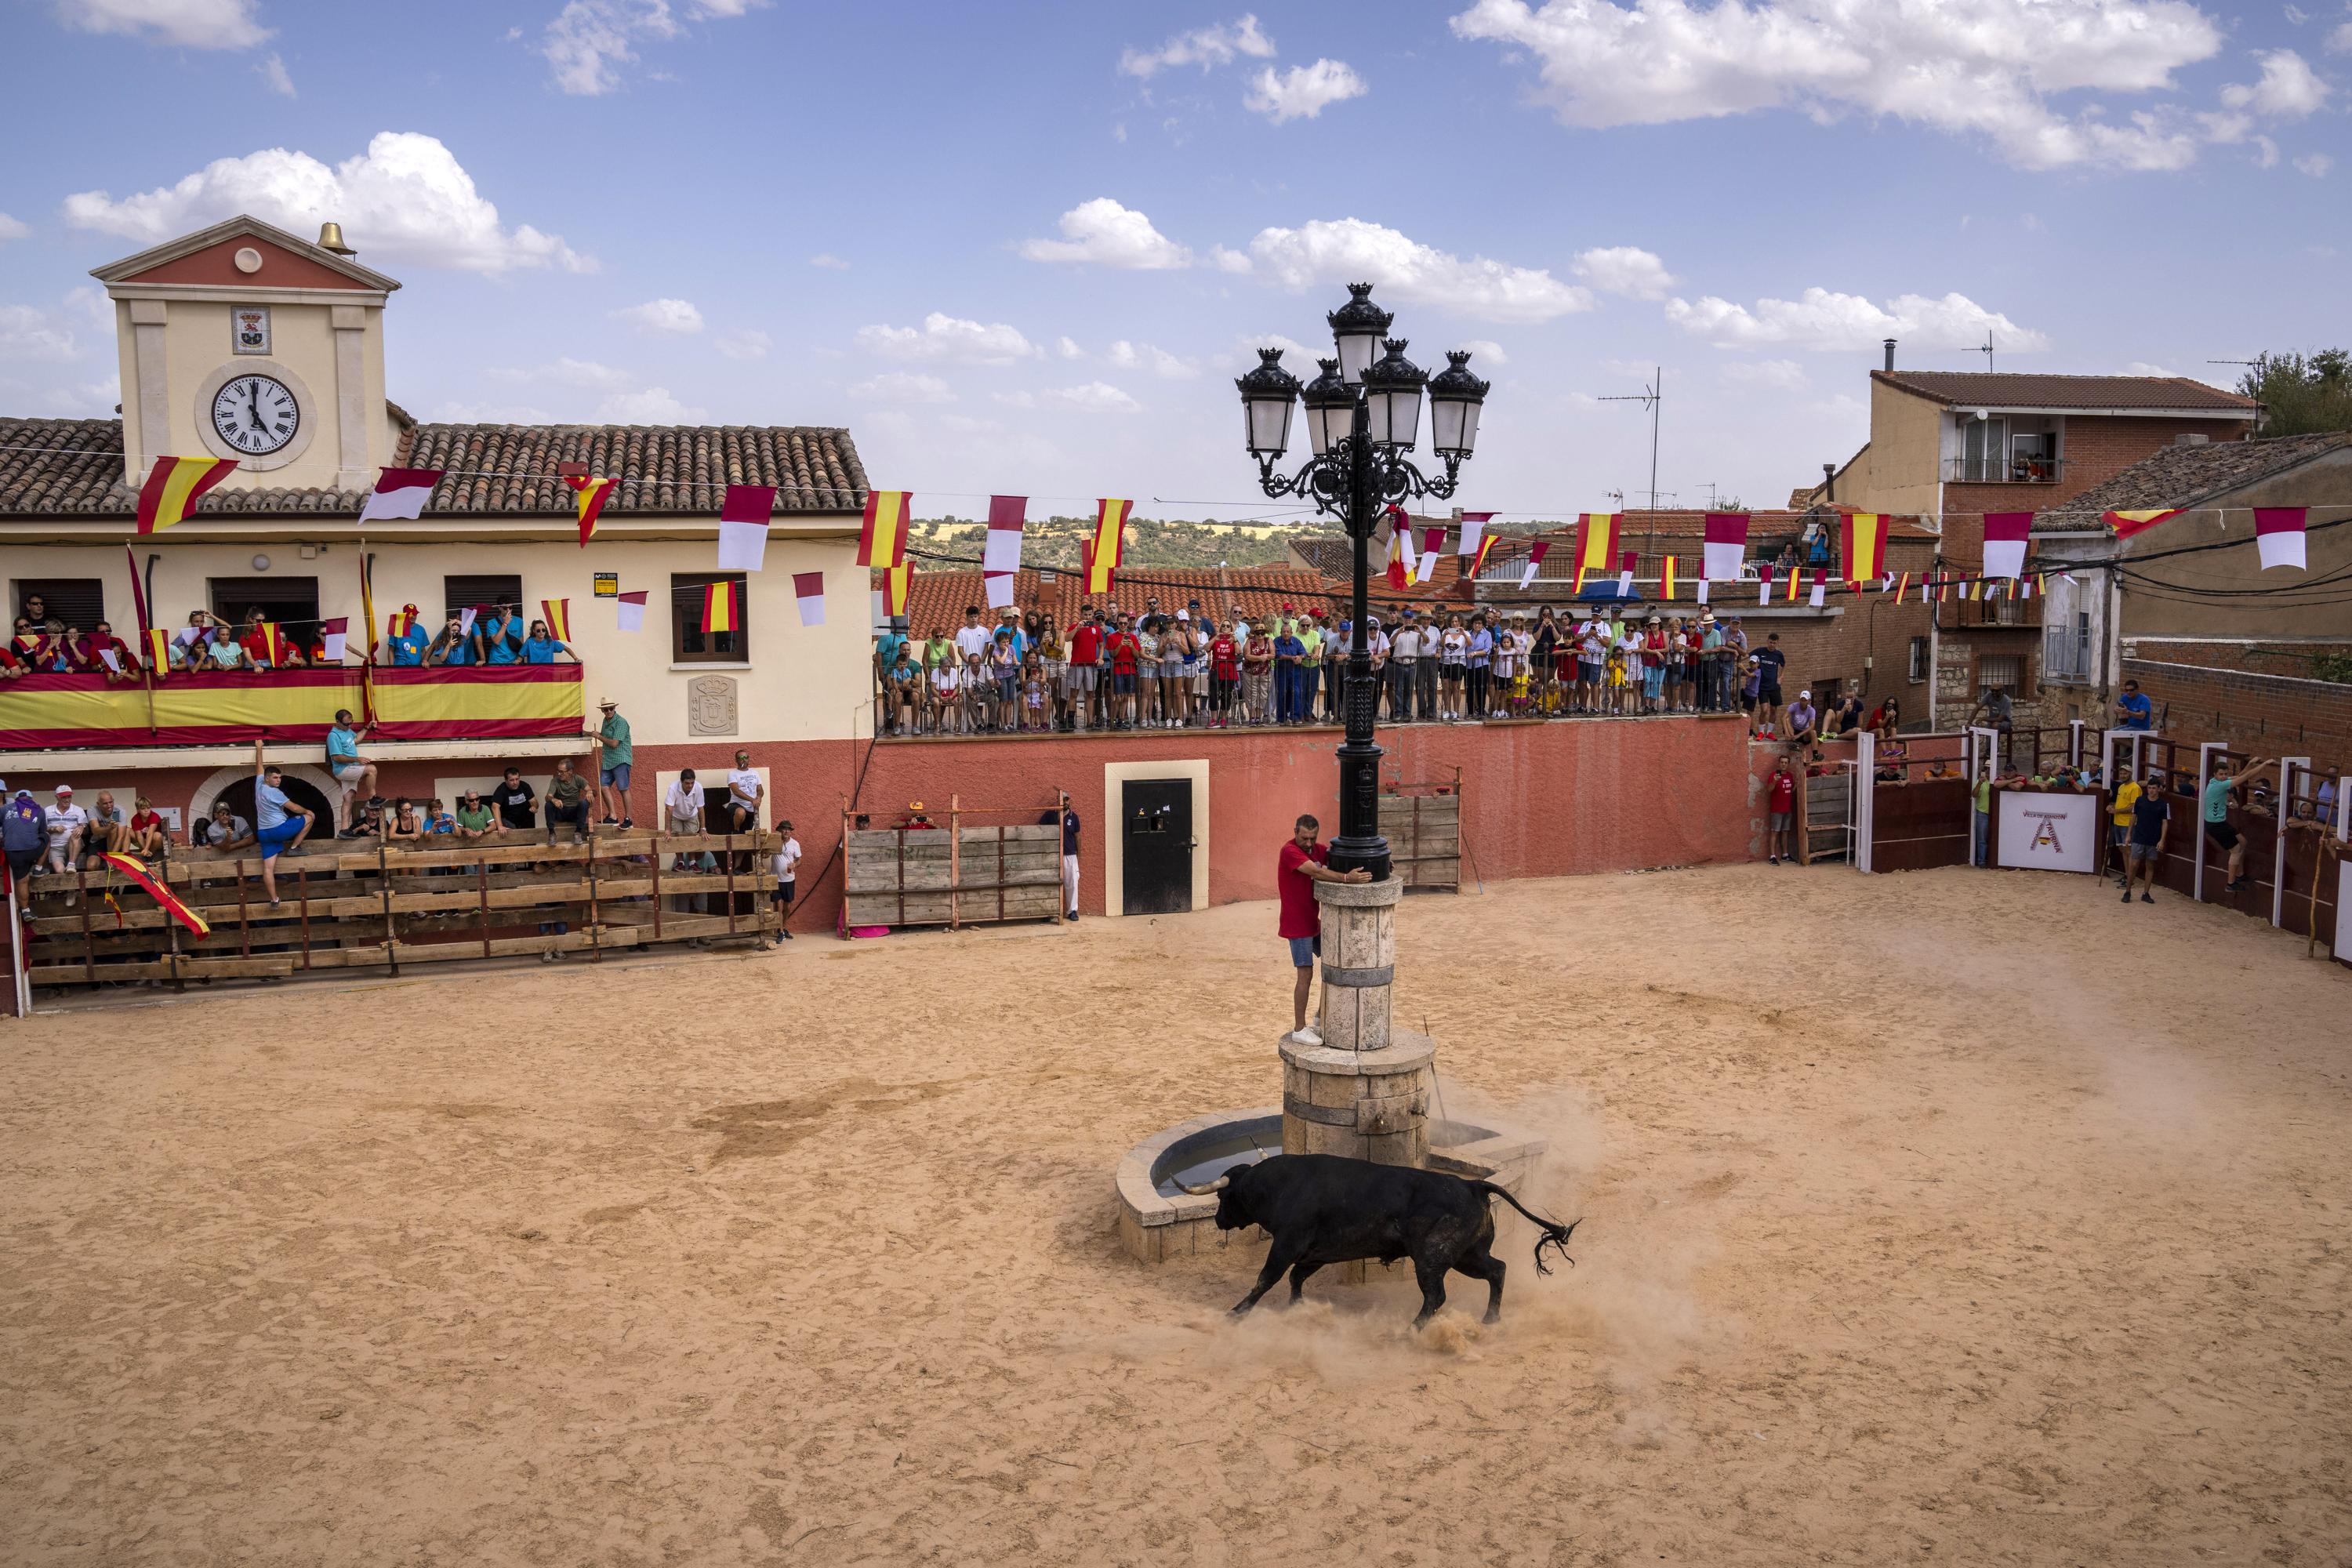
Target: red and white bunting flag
<point x="808" y="587"/>
<point x="631" y="609"/>
<point x="1473" y="523"/>
<point x="1535" y="559"/>
<point x="1626" y="565"/>
<point x="1432" y="540"/>
<point x="332" y="635"/>
<point x="1006" y="516"/>
<point x="1702" y="593"/>
<point x="400" y="494"/>
<point x="743" y="527"/>
<point x="2004" y="542"/>
<point x="1820" y="594"/>
<point x="1763" y="589"/>
<point x="1726" y="545"/>
<point x="2278" y="534"/>
<point x="1403" y="564"/>
<point x="998" y="587"/>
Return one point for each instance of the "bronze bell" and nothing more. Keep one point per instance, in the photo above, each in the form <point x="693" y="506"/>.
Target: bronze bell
<point x="330" y="238"/>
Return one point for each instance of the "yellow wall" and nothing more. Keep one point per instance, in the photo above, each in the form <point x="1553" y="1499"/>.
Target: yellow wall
<point x="800" y="683"/>
<point x="1900" y="471"/>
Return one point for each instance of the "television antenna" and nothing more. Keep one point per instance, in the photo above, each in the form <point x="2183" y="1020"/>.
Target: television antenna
<point x="1985" y="348"/>
<point x="1651" y="397"/>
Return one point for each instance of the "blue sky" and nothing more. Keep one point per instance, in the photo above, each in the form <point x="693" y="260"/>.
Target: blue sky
<point x="1023" y="248"/>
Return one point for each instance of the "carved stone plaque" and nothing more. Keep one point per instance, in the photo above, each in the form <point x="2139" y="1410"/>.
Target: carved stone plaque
<point x="710" y="705"/>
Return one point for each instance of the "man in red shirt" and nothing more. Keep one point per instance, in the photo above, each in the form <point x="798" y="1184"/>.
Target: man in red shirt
<point x="1086" y="649"/>
<point x="1124" y="652"/>
<point x="1224" y="675"/>
<point x="1301" y="867"/>
<point x="1780" y="835"/>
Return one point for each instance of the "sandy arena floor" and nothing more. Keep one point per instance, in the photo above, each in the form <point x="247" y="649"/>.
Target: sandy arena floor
<point x="1948" y="1217"/>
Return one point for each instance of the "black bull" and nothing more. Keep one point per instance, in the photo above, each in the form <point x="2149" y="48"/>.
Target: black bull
<point x="1323" y="1208"/>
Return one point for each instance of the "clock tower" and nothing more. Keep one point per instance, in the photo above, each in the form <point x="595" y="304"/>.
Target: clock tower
<point x="245" y="341"/>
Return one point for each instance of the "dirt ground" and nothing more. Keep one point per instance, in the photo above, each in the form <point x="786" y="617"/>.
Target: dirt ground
<point x="1951" y="1217"/>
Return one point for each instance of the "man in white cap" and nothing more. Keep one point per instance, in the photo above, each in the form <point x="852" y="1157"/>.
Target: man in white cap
<point x="1805" y="719"/>
<point x="68" y="825"/>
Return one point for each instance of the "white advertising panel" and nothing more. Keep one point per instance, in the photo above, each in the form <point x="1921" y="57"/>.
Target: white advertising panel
<point x="2049" y="832"/>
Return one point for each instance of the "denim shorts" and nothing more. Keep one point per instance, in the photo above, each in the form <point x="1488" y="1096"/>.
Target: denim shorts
<point x="1303" y="951"/>
<point x="614" y="777"/>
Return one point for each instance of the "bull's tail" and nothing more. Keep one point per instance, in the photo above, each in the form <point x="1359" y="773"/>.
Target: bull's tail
<point x="1555" y="1234"/>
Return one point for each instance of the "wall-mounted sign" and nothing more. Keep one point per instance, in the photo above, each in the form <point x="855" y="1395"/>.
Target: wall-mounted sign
<point x="250" y="327"/>
<point x="608" y="584"/>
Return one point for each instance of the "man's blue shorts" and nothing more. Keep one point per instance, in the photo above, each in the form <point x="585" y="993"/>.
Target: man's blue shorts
<point x="272" y="839"/>
<point x="614" y="777"/>
<point x="1303" y="951"/>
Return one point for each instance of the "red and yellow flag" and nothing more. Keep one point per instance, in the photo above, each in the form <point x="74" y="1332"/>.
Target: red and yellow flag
<point x="1478" y="560"/>
<point x="172" y="486"/>
<point x="136" y="869"/>
<point x="1110" y="536"/>
<point x="2127" y="523"/>
<point x="882" y="540"/>
<point x="273" y="645"/>
<point x="591" y="494"/>
<point x="1863" y="542"/>
<point x="1596" y="540"/>
<point x="1796" y="579"/>
<point x="557" y="613"/>
<point x="1666" y="579"/>
<point x="159" y="651"/>
<point x="719" y="608"/>
<point x="897" y="582"/>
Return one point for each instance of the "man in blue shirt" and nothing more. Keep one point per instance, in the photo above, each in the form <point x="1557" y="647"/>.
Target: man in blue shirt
<point x="408" y="645"/>
<point x="502" y="632"/>
<point x="354" y="772"/>
<point x="541" y="648"/>
<point x="280" y="826"/>
<point x="2133" y="710"/>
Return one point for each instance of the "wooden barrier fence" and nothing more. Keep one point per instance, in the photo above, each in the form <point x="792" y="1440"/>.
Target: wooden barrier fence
<point x="342" y="906"/>
<point x="1423" y="824"/>
<point x="920" y="873"/>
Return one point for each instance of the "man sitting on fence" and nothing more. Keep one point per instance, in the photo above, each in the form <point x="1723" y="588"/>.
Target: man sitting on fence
<point x="567" y="801"/>
<point x="514" y="797"/>
<point x="280" y="825"/>
<point x="222" y="830"/>
<point x="475" y="819"/>
<point x="1804" y="721"/>
<point x="68" y="827"/>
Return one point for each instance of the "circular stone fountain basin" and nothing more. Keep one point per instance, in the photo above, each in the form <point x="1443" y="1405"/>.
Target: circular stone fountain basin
<point x="1158" y="1220"/>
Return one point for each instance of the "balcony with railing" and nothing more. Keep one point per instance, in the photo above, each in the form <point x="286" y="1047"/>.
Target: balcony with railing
<point x="2005" y="468"/>
<point x="2066" y="653"/>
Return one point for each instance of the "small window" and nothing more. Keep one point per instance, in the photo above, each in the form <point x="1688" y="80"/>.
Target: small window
<point x="689" y="644"/>
<point x="464" y="593"/>
<point x="1918" y="660"/>
<point x="75" y="602"/>
<point x="2002" y="672"/>
<point x="291" y="602"/>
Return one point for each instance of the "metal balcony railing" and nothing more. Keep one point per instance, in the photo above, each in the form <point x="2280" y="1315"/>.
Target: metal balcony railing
<point x="2004" y="468"/>
<point x="2066" y="654"/>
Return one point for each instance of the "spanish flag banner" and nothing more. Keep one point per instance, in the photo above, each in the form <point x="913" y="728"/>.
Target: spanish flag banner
<point x="273" y="645"/>
<point x="882" y="539"/>
<point x="592" y="493"/>
<point x="159" y="651"/>
<point x="1111" y="541"/>
<point x="1666" y="579"/>
<point x="1796" y="579"/>
<point x="1903" y="587"/>
<point x="557" y="613"/>
<point x="172" y="486"/>
<point x="719" y="608"/>
<point x="136" y="869"/>
<point x="1478" y="560"/>
<point x="2127" y="523"/>
<point x="1596" y="540"/>
<point x="1864" y="545"/>
<point x="896" y="582"/>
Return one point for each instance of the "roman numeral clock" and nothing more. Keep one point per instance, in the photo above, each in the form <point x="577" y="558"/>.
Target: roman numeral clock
<point x="255" y="414"/>
<point x="260" y="410"/>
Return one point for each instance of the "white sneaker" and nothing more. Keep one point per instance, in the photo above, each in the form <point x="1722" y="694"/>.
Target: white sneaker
<point x="1308" y="1035"/>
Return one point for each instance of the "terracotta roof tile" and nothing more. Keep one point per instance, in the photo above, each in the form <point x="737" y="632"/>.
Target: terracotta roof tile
<point x="75" y="466"/>
<point x="2007" y="390"/>
<point x="2185" y="476"/>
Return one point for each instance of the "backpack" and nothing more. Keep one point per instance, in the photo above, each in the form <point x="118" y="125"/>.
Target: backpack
<point x="23" y="825"/>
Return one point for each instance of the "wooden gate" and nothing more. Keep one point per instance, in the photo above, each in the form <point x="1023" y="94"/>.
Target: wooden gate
<point x="1423" y="824"/>
<point x="920" y="873"/>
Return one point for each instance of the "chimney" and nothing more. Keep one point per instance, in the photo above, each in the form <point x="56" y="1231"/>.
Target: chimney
<point x="1890" y="356"/>
<point x="330" y="238"/>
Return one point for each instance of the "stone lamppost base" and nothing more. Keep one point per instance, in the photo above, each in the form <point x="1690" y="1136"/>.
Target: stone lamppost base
<point x="1367" y="1105"/>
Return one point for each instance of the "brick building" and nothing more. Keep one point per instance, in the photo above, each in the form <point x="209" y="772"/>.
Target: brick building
<point x="1950" y="446"/>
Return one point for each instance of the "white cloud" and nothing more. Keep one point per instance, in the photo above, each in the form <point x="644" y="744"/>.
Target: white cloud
<point x="1768" y="374"/>
<point x="1486" y="352"/>
<point x="662" y="315"/>
<point x="1410" y="273"/>
<point x="570" y="371"/>
<point x="2315" y="165"/>
<point x="2141" y="367"/>
<point x="272" y="71"/>
<point x="1091" y="397"/>
<point x="590" y="40"/>
<point x="1985" y="69"/>
<point x="1068" y="348"/>
<point x="2296" y="15"/>
<point x="746" y="343"/>
<point x="29" y="333"/>
<point x="2289" y="88"/>
<point x="1302" y="361"/>
<point x="94" y="308"/>
<point x="653" y="405"/>
<point x="1144" y="356"/>
<point x="902" y="387"/>
<point x="1823" y="321"/>
<point x="489" y="414"/>
<point x="1203" y="46"/>
<point x="85" y="400"/>
<point x="950" y="338"/>
<point x="829" y="262"/>
<point x="12" y="228"/>
<point x="2266" y="153"/>
<point x="1625" y="269"/>
<point x="1105" y="233"/>
<point x="1225" y="261"/>
<point x="405" y="199"/>
<point x="189" y="24"/>
<point x="1302" y="92"/>
<point x="2339" y="39"/>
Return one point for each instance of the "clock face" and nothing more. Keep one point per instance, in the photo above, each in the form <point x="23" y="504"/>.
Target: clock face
<point x="255" y="414"/>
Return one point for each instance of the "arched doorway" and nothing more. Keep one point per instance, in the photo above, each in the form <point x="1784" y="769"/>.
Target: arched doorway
<point x="306" y="786"/>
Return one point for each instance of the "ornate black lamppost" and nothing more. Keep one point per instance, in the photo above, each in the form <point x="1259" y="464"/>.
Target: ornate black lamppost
<point x="1362" y="414"/>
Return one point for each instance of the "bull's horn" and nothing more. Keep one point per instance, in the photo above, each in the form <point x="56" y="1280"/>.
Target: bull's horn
<point x="1216" y="1186"/>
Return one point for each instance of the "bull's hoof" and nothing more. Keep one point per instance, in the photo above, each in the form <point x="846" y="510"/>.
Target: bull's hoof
<point x="1492" y="1318"/>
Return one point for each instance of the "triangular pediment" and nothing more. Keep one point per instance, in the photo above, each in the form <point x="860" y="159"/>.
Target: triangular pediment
<point x="208" y="259"/>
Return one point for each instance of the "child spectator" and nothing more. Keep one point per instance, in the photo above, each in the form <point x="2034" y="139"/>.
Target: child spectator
<point x="1033" y="694"/>
<point x="438" y="821"/>
<point x="947" y="706"/>
<point x="1781" y="806"/>
<point x="147" y="831"/>
<point x="786" y="867"/>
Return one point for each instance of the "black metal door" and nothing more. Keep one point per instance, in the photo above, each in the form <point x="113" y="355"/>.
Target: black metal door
<point x="1156" y="816"/>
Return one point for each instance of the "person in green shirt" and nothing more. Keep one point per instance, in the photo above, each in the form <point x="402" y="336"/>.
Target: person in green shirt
<point x="566" y="801"/>
<point x="475" y="818"/>
<point x="2225" y="782"/>
<point x="612" y="765"/>
<point x="1980" y="821"/>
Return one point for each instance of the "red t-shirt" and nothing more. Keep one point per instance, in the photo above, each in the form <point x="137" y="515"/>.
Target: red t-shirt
<point x="1784" y="793"/>
<point x="1123" y="651"/>
<point x="1222" y="660"/>
<point x="140" y="821"/>
<point x="1300" y="915"/>
<point x="1085" y="642"/>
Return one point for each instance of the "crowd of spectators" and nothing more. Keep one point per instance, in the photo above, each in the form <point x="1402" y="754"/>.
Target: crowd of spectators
<point x="46" y="643"/>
